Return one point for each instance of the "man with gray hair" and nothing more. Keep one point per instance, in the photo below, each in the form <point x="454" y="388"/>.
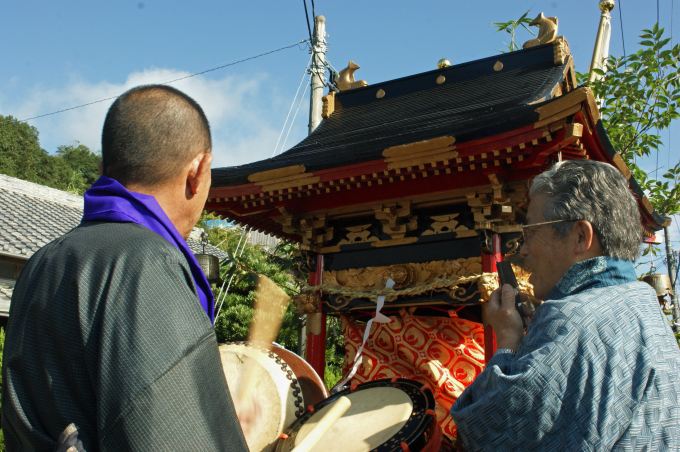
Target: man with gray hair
<point x="598" y="367"/>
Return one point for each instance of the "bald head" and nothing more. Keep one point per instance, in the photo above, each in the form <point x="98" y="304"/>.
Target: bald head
<point x="150" y="133"/>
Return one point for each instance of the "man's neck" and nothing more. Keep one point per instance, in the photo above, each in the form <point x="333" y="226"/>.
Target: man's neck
<point x="166" y="196"/>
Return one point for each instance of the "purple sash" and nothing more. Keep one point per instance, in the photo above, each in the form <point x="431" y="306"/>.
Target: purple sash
<point x="108" y="200"/>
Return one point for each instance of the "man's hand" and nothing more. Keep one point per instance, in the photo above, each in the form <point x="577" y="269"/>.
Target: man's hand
<point x="500" y="313"/>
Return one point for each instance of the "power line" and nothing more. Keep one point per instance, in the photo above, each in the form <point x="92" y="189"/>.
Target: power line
<point x="233" y="63"/>
<point x="309" y="27"/>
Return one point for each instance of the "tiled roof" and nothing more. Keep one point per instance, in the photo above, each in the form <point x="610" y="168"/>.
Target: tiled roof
<point x="32" y="215"/>
<point x="474" y="99"/>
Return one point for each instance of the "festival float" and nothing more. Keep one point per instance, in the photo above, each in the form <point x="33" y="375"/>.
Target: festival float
<point x="405" y="197"/>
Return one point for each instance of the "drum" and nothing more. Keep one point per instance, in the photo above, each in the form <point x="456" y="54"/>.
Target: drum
<point x="274" y="387"/>
<point x="313" y="388"/>
<point x="384" y="415"/>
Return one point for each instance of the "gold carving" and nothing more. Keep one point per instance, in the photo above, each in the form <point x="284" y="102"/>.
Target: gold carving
<point x="283" y="178"/>
<point x="440" y="79"/>
<point x="307" y="302"/>
<point x="547" y="31"/>
<point x="410" y="279"/>
<point x="380" y="93"/>
<point x="488" y="282"/>
<point x="396" y="219"/>
<point x="278" y="173"/>
<point x="346" y="80"/>
<point x="313" y="231"/>
<point x="442" y="224"/>
<point x="561" y="51"/>
<point x="498" y="66"/>
<point x="490" y="208"/>
<point x="439" y="149"/>
<point x="328" y="106"/>
<point x="358" y="234"/>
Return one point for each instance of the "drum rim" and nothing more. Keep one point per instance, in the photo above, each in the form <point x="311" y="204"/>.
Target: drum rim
<point x="412" y="432"/>
<point x="287" y="370"/>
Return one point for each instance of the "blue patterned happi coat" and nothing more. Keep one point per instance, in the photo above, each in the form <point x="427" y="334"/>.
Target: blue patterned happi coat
<point x="599" y="369"/>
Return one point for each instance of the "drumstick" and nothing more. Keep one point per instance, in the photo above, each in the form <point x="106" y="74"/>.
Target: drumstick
<point x="270" y="305"/>
<point x="335" y="412"/>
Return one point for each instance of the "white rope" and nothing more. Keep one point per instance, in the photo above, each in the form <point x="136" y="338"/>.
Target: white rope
<point x="378" y="317"/>
<point x="246" y="231"/>
<point x="296" y="112"/>
<point x="237" y="254"/>
<point x="302" y="79"/>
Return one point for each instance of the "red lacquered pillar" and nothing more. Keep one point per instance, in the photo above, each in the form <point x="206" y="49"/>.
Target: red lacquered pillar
<point x="489" y="258"/>
<point x="315" y="352"/>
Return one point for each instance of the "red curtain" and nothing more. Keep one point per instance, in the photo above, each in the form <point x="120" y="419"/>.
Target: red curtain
<point x="445" y="353"/>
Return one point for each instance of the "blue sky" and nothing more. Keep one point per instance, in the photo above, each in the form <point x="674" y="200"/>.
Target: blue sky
<point x="60" y="54"/>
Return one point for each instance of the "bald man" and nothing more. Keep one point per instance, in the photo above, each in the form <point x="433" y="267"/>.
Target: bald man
<point x="110" y="325"/>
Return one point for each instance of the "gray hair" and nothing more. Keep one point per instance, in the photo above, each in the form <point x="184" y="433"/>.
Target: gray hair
<point x="598" y="193"/>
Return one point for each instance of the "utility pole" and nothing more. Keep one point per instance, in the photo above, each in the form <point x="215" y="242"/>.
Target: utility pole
<point x="604" y="33"/>
<point x="318" y="72"/>
<point x="318" y="80"/>
<point x="670" y="261"/>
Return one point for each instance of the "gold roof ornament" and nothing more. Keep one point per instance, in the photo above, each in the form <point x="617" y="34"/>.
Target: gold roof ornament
<point x="547" y="31"/>
<point x="345" y="80"/>
<point x="442" y="63"/>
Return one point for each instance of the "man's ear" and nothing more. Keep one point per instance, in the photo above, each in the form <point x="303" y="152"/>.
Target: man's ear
<point x="198" y="170"/>
<point x="585" y="237"/>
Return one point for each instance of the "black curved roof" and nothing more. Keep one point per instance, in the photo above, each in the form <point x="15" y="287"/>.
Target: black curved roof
<point x="475" y="100"/>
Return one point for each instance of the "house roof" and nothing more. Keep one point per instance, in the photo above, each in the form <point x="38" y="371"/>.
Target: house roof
<point x="469" y="101"/>
<point x="32" y="215"/>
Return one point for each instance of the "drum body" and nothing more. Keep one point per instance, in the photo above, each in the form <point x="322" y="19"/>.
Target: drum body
<point x="313" y="388"/>
<point x="274" y="388"/>
<point x="384" y="415"/>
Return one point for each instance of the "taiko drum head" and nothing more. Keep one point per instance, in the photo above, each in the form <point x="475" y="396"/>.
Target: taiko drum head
<point x="384" y="415"/>
<point x="274" y="388"/>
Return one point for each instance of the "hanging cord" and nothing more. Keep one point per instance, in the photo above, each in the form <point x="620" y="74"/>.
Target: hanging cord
<point x="283" y="145"/>
<point x="358" y="358"/>
<point x="246" y="232"/>
<point x="237" y="254"/>
<point x="292" y="104"/>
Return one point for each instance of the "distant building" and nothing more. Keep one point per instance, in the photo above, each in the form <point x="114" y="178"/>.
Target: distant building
<point x="31" y="216"/>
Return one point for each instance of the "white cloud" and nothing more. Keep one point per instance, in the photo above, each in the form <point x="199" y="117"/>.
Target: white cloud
<point x="246" y="114"/>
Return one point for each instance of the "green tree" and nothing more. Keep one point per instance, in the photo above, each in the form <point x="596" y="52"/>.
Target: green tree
<point x="20" y="152"/>
<point x="640" y="96"/>
<point x="286" y="266"/>
<point x="83" y="163"/>
<point x="72" y="168"/>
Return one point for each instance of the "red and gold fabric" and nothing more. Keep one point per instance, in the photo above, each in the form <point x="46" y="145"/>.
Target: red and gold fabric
<point x="445" y="353"/>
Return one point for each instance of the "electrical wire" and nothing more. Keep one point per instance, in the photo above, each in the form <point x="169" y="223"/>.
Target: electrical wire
<point x="233" y="63"/>
<point x="309" y="27"/>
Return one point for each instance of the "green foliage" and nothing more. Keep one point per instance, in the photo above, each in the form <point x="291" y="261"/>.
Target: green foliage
<point x="640" y="96"/>
<point x="247" y="260"/>
<point x="512" y="26"/>
<point x="335" y="352"/>
<point x="285" y="265"/>
<point x="83" y="165"/>
<point x="73" y="168"/>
